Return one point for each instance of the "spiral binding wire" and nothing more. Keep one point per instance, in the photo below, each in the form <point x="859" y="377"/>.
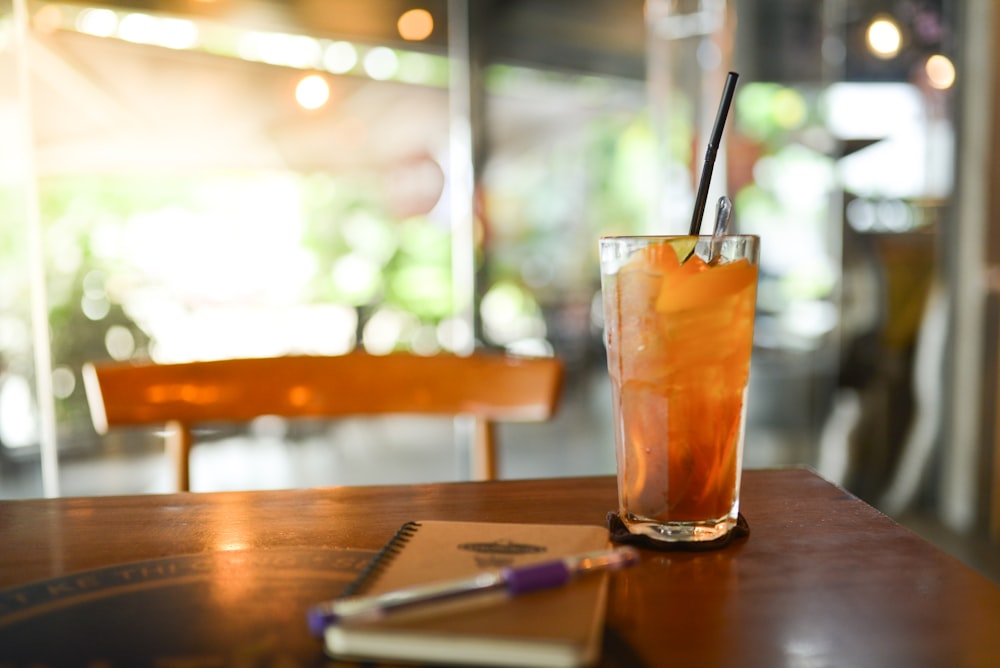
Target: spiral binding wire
<point x="381" y="560"/>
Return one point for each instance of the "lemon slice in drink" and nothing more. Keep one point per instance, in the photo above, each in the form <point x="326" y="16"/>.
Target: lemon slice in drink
<point x="684" y="247"/>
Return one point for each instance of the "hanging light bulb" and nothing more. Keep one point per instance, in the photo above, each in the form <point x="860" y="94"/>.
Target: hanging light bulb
<point x="940" y="72"/>
<point x="415" y="25"/>
<point x="312" y="91"/>
<point x="884" y="38"/>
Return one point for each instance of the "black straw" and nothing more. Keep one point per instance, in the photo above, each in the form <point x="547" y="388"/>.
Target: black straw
<point x="713" y="148"/>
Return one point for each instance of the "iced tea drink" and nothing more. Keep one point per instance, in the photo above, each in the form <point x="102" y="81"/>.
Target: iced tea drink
<point x="679" y="316"/>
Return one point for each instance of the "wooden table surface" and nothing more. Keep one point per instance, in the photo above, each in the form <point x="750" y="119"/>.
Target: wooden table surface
<point x="823" y="580"/>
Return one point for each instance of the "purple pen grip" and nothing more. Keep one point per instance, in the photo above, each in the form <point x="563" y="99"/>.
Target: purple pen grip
<point x="318" y="619"/>
<point x="542" y="576"/>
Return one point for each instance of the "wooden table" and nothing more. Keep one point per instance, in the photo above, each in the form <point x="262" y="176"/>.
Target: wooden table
<point x="823" y="580"/>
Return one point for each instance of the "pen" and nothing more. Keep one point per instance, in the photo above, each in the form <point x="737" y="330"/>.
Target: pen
<point x="512" y="581"/>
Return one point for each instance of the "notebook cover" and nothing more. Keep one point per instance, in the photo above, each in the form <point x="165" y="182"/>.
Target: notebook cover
<point x="556" y="627"/>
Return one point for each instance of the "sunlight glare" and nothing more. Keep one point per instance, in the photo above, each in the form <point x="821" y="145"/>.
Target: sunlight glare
<point x="97" y="22"/>
<point x="381" y="63"/>
<point x="424" y="341"/>
<point x="17" y="413"/>
<point x="138" y="28"/>
<point x="386" y="328"/>
<point x="95" y="308"/>
<point x="340" y="57"/>
<point x="509" y="313"/>
<point x="176" y="34"/>
<point x="356" y="278"/>
<point x="455" y="335"/>
<point x="119" y="342"/>
<point x="48" y="19"/>
<point x="63" y="382"/>
<point x="416" y="68"/>
<point x="299" y="51"/>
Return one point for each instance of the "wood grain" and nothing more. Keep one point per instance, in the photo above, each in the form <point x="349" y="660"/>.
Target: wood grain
<point x="824" y="579"/>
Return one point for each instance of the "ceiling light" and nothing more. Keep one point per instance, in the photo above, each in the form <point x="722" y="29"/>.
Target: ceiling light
<point x="415" y="25"/>
<point x="940" y="72"/>
<point x="312" y="91"/>
<point x="884" y="38"/>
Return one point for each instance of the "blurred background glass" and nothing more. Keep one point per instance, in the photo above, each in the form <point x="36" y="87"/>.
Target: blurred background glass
<point x="198" y="179"/>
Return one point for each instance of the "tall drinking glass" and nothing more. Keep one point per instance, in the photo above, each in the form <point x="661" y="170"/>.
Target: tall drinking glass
<point x="679" y="316"/>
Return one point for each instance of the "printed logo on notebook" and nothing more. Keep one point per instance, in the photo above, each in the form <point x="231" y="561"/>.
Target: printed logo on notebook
<point x="499" y="553"/>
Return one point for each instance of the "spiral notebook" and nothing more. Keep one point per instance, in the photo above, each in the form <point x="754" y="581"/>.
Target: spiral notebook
<point x="556" y="627"/>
